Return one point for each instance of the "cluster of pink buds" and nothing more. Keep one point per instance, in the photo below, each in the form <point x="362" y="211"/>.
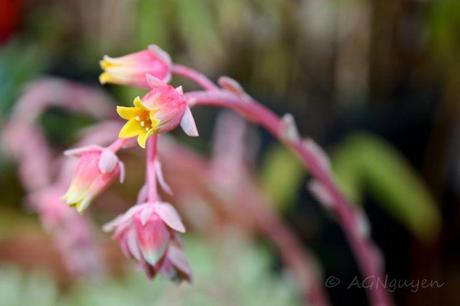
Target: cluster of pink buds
<point x="148" y="232"/>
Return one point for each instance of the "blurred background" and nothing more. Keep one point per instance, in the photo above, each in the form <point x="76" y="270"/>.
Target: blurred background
<point x="375" y="82"/>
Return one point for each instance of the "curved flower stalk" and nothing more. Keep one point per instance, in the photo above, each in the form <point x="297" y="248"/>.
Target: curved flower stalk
<point x="313" y="158"/>
<point x="229" y="171"/>
<point x="45" y="92"/>
<point x="164" y="108"/>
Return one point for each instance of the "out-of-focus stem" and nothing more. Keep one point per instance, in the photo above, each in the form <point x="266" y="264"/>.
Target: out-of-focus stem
<point x="118" y="144"/>
<point x="195" y="76"/>
<point x="363" y="248"/>
<point x="151" y="156"/>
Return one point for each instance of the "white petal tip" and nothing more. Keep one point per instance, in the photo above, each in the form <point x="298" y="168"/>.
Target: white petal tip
<point x="188" y="123"/>
<point x="289" y="128"/>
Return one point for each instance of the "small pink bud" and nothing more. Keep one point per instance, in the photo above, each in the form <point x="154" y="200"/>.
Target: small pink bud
<point x="96" y="170"/>
<point x="131" y="69"/>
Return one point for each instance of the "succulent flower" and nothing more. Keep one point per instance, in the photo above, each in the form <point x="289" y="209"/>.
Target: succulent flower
<point x="160" y="110"/>
<point x="132" y="68"/>
<point x="147" y="233"/>
<point x="96" y="170"/>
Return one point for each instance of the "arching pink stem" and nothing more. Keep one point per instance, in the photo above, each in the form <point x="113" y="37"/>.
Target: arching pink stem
<point x="363" y="248"/>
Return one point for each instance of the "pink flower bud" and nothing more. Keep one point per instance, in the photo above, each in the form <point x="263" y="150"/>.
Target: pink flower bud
<point x="132" y="68"/>
<point x="147" y="234"/>
<point x="96" y="170"/>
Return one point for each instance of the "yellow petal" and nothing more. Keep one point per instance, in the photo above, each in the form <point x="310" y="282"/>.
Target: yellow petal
<point x="105" y="78"/>
<point x="130" y="129"/>
<point x="142" y="139"/>
<point x="138" y="103"/>
<point x="127" y="112"/>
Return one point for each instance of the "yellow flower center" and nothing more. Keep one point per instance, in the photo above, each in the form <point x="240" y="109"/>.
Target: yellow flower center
<point x="144" y="121"/>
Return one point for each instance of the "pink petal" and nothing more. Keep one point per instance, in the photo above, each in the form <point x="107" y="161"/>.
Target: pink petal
<point x="153" y="81"/>
<point x="167" y="269"/>
<point x="110" y="226"/>
<point x="179" y="260"/>
<point x="180" y="90"/>
<point x="162" y="54"/>
<point x="170" y="216"/>
<point x="188" y="123"/>
<point x="133" y="246"/>
<point x="161" y="179"/>
<point x="153" y="239"/>
<point x="108" y="161"/>
<point x="146" y="213"/>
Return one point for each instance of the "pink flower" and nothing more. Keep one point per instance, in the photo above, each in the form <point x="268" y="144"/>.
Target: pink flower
<point x="147" y="233"/>
<point x="132" y="68"/>
<point x="96" y="170"/>
<point x="160" y="110"/>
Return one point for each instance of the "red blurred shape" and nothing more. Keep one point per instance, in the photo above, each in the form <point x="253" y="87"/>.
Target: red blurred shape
<point x="9" y="18"/>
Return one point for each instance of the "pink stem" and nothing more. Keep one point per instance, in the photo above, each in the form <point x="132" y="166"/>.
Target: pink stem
<point x="195" y="76"/>
<point x="362" y="247"/>
<point x="118" y="144"/>
<point x="151" y="157"/>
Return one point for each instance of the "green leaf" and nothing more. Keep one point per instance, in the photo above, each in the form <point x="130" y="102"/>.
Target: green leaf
<point x="365" y="163"/>
<point x="282" y="176"/>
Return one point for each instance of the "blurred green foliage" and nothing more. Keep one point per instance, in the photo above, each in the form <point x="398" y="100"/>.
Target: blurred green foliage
<point x="281" y="176"/>
<point x="231" y="274"/>
<point x="363" y="163"/>
<point x="16" y="70"/>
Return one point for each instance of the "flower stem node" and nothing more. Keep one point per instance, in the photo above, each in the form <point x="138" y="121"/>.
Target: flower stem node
<point x="232" y="86"/>
<point x="96" y="170"/>
<point x="311" y="146"/>
<point x="289" y="130"/>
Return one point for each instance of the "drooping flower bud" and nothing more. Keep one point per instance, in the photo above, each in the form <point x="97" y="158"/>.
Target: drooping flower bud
<point x="96" y="170"/>
<point x="132" y="68"/>
<point x="160" y="110"/>
<point x="147" y="234"/>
